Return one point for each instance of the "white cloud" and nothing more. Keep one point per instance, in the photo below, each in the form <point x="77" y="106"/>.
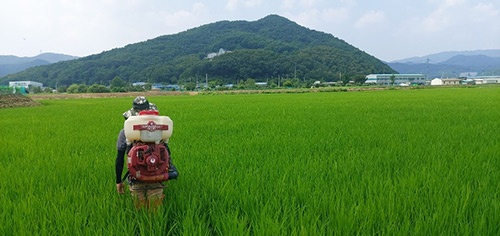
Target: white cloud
<point x="308" y="3"/>
<point x="446" y="2"/>
<point x="451" y="3"/>
<point x="287" y="4"/>
<point x="445" y="15"/>
<point x="252" y="3"/>
<point x="370" y="18"/>
<point x="328" y="16"/>
<point x="335" y="15"/>
<point x="453" y="16"/>
<point x="435" y="22"/>
<point x="485" y="12"/>
<point x="231" y="5"/>
<point x="178" y="20"/>
<point x="307" y="17"/>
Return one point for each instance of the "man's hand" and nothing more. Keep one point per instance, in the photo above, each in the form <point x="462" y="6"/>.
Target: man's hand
<point x="120" y="188"/>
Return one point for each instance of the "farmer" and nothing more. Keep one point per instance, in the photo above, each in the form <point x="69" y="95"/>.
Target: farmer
<point x="144" y="192"/>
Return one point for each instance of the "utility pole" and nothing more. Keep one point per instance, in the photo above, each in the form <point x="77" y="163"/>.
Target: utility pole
<point x="295" y="71"/>
<point x="427" y="73"/>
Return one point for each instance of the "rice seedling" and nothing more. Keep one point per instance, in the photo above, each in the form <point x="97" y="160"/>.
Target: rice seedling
<point x="421" y="162"/>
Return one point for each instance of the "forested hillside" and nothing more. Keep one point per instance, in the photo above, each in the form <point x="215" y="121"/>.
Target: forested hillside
<point x="270" y="48"/>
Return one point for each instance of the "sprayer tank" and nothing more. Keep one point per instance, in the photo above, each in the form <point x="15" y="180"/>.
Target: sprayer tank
<point x="148" y="128"/>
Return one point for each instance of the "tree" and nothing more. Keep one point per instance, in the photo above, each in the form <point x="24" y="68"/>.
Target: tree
<point x="61" y="89"/>
<point x="77" y="88"/>
<point x="215" y="83"/>
<point x="393" y="79"/>
<point x="250" y="84"/>
<point x="345" y="80"/>
<point x="82" y="88"/>
<point x="98" y="88"/>
<point x="118" y="85"/>
<point x="190" y="86"/>
<point x="287" y="83"/>
<point x="35" y="89"/>
<point x="359" y="79"/>
<point x="241" y="84"/>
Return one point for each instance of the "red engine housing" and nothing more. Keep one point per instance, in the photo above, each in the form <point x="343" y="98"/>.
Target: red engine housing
<point x="148" y="162"/>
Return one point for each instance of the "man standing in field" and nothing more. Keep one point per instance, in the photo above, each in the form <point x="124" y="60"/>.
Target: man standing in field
<point x="149" y="194"/>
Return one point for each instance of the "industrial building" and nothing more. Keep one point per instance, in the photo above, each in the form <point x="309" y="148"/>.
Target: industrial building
<point x="487" y="79"/>
<point x="386" y="79"/>
<point x="25" y="84"/>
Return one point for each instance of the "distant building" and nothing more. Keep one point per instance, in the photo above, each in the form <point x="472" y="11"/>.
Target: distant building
<point x="25" y="84"/>
<point x="468" y="75"/>
<point x="169" y="87"/>
<point x="138" y="83"/>
<point x="454" y="81"/>
<point x="214" y="54"/>
<point x="437" y="81"/>
<point x="385" y="79"/>
<point x="451" y="81"/>
<point x="487" y="79"/>
<point x="467" y="82"/>
<point x="473" y="78"/>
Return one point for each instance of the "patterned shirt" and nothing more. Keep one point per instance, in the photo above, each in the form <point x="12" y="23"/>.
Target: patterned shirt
<point x="133" y="112"/>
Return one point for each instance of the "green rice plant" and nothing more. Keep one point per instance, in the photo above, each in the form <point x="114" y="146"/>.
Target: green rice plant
<point x="398" y="162"/>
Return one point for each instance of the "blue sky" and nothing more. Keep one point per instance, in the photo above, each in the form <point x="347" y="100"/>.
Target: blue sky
<point x="388" y="30"/>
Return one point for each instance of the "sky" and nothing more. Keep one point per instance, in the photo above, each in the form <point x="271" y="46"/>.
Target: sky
<point x="387" y="29"/>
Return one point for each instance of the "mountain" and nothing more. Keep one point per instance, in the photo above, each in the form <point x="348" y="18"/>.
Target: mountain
<point x="54" y="57"/>
<point x="478" y="62"/>
<point x="444" y="56"/>
<point x="229" y="51"/>
<point x="13" y="64"/>
<point x="451" y="64"/>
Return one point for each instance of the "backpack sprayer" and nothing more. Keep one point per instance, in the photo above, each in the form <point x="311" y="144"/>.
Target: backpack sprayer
<point x="148" y="160"/>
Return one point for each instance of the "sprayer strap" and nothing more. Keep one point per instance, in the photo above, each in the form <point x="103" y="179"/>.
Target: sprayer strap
<point x="125" y="177"/>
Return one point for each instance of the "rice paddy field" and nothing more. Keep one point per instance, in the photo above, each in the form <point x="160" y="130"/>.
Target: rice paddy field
<point x="392" y="162"/>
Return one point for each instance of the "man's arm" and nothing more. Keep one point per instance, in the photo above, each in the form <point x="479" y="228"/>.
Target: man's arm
<point x="121" y="146"/>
